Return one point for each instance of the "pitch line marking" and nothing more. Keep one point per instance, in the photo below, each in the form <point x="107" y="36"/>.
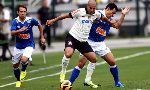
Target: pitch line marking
<point x="101" y="63"/>
<point x="37" y="70"/>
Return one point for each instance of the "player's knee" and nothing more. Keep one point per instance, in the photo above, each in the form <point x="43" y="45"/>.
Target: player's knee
<point x="93" y="59"/>
<point x="81" y="65"/>
<point x="68" y="55"/>
<point x="16" y="65"/>
<point x="24" y="60"/>
<point x="112" y="63"/>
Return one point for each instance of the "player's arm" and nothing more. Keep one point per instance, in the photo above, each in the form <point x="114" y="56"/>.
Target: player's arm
<point x="73" y="14"/>
<point x="61" y="17"/>
<point x="105" y="19"/>
<point x="16" y="32"/>
<point x="120" y="21"/>
<point x="42" y="39"/>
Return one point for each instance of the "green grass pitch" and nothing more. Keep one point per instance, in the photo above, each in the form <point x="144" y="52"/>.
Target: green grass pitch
<point x="133" y="63"/>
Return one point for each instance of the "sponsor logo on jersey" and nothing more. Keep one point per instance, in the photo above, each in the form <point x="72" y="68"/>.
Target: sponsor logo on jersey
<point x="86" y="21"/>
<point x="101" y="31"/>
<point x="24" y="36"/>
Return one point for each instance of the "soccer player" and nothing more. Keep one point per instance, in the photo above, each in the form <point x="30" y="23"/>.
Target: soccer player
<point x="22" y="30"/>
<point x="78" y="35"/>
<point x="98" y="33"/>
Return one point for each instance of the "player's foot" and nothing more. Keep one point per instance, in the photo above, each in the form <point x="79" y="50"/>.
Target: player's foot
<point x="119" y="84"/>
<point x="91" y="84"/>
<point x="23" y="75"/>
<point x="18" y="84"/>
<point x="62" y="77"/>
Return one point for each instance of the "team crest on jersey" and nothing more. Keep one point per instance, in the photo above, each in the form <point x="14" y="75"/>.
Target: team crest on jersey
<point x="69" y="43"/>
<point x="29" y="21"/>
<point x="18" y="26"/>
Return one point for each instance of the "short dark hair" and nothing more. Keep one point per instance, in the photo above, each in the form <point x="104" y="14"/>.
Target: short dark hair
<point x="23" y="6"/>
<point x="111" y="6"/>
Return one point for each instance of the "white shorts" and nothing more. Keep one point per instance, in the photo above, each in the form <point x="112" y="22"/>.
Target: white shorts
<point x="99" y="48"/>
<point x="27" y="52"/>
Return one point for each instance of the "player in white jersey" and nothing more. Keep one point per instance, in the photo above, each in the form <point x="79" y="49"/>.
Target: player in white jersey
<point x="78" y="35"/>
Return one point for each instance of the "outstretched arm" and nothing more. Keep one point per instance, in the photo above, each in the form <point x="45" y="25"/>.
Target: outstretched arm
<point x="120" y="21"/>
<point x="52" y="21"/>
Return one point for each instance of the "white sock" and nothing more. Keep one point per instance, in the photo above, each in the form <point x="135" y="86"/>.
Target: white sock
<point x="65" y="62"/>
<point x="90" y="69"/>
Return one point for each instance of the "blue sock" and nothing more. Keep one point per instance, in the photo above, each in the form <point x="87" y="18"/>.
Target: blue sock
<point x="114" y="72"/>
<point x="24" y="66"/>
<point x="75" y="74"/>
<point x="17" y="73"/>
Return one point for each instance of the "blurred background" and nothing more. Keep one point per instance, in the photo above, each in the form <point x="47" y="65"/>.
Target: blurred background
<point x="136" y="23"/>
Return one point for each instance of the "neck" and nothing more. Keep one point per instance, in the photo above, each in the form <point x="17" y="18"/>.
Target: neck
<point x="21" y="19"/>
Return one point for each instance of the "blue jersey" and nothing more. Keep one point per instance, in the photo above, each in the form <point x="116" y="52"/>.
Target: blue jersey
<point x="99" y="30"/>
<point x="24" y="39"/>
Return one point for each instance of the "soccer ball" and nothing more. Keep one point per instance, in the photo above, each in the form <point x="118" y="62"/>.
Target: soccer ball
<point x="65" y="85"/>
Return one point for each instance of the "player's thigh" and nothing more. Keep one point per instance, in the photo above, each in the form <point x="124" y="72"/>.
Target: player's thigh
<point x="17" y="55"/>
<point x="91" y="56"/>
<point x="70" y="44"/>
<point x="27" y="54"/>
<point x="82" y="61"/>
<point x="109" y="58"/>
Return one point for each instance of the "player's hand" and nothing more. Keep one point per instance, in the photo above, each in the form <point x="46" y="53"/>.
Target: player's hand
<point x="50" y="22"/>
<point x="42" y="41"/>
<point x="125" y="10"/>
<point x="23" y="29"/>
<point x="42" y="44"/>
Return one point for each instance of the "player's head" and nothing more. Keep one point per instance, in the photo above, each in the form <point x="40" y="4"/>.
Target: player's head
<point x="91" y="6"/>
<point x="111" y="10"/>
<point x="45" y="3"/>
<point x="22" y="11"/>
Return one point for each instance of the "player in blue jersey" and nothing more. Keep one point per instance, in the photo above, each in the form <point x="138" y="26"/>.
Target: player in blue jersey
<point x="98" y="33"/>
<point x="21" y="28"/>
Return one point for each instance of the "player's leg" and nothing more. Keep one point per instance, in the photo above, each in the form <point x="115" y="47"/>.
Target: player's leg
<point x="16" y="61"/>
<point x="68" y="52"/>
<point x="90" y="70"/>
<point x="24" y="61"/>
<point x="91" y="66"/>
<point x="76" y="70"/>
<point x="65" y="61"/>
<point x="109" y="58"/>
<point x="87" y="51"/>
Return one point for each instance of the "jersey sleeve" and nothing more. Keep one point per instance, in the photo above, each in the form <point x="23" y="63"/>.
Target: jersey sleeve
<point x="75" y="13"/>
<point x="110" y="24"/>
<point x="13" y="25"/>
<point x="35" y="22"/>
<point x="100" y="15"/>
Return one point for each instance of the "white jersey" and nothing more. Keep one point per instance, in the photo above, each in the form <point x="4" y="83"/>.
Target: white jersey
<point x="81" y="28"/>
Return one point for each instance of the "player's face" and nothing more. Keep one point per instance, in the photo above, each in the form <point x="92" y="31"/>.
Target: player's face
<point x="111" y="13"/>
<point x="91" y="9"/>
<point x="22" y="12"/>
